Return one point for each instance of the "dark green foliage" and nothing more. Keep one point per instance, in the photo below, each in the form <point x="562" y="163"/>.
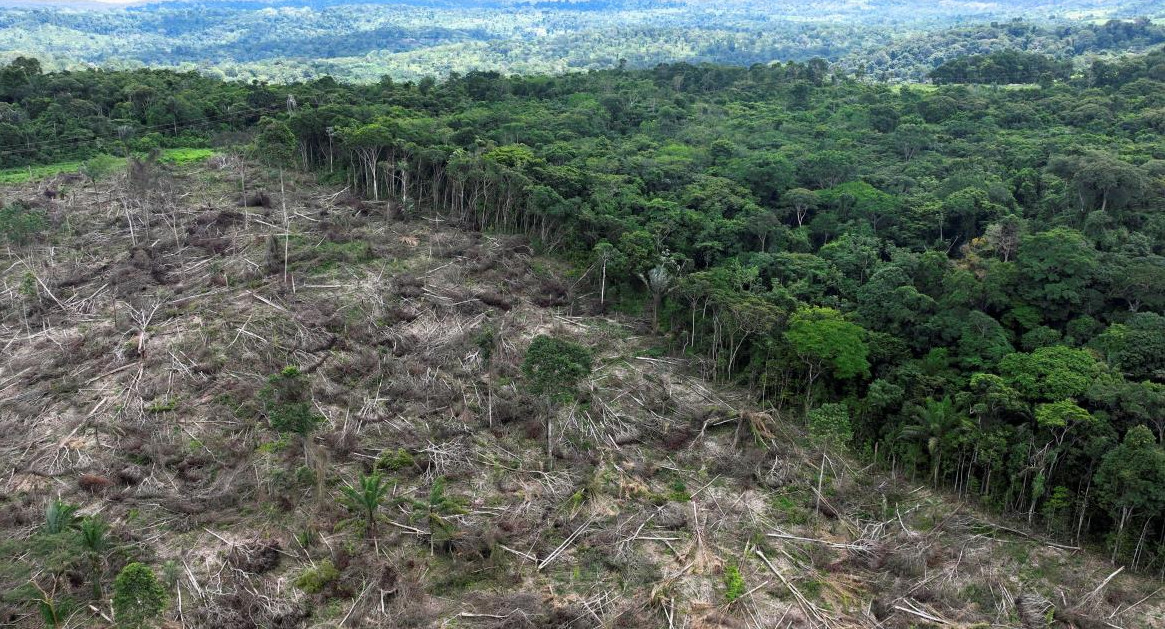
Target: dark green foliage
<point x="365" y="499"/>
<point x="554" y="366"/>
<point x="96" y="541"/>
<point x="275" y="143"/>
<point x="20" y="224"/>
<point x="138" y="598"/>
<point x="975" y="273"/>
<point x="287" y="403"/>
<point x="1131" y="479"/>
<point x="1005" y="66"/>
<point x="59" y="517"/>
<point x="435" y="511"/>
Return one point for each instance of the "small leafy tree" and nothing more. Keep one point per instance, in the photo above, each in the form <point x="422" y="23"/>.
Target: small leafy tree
<point x="365" y="499"/>
<point x="275" y="142"/>
<point x="552" y="370"/>
<point x="554" y="366"/>
<point x="829" y="425"/>
<point x="99" y="167"/>
<point x="53" y="611"/>
<point x="826" y="342"/>
<point x="138" y="597"/>
<point x="1131" y="480"/>
<point x="19" y="224"/>
<point x="733" y="584"/>
<point x="287" y="404"/>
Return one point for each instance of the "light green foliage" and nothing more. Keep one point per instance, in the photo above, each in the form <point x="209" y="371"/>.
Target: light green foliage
<point x="733" y="583"/>
<point x="138" y="598"/>
<point x="825" y="340"/>
<point x="554" y="366"/>
<point x="1050" y="373"/>
<point x="314" y="580"/>
<point x="101" y="166"/>
<point x="185" y="156"/>
<point x="829" y="424"/>
<point x="1062" y="414"/>
<point x="394" y="460"/>
<point x="435" y="512"/>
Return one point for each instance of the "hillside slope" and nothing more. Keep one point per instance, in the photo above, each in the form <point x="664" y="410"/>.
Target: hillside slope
<point x="140" y="334"/>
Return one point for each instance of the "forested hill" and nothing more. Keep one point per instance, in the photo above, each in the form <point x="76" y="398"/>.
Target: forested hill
<point x="288" y="41"/>
<point x="968" y="281"/>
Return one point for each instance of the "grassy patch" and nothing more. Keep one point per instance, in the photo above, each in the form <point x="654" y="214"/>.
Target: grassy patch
<point x="22" y="175"/>
<point x="185" y="156"/>
<point x="177" y="157"/>
<point x="315" y="256"/>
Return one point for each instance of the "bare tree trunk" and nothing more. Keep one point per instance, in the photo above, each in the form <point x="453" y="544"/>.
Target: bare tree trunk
<point x="286" y="224"/>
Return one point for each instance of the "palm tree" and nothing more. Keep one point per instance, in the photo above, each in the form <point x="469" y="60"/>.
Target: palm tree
<point x="436" y="511"/>
<point x="95" y="540"/>
<point x="366" y="499"/>
<point x="59" y="516"/>
<point x="935" y="422"/>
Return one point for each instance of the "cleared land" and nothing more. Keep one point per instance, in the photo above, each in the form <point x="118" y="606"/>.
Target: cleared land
<point x="140" y="331"/>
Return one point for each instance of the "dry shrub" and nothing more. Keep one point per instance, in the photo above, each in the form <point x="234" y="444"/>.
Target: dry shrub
<point x="130" y="475"/>
<point x="907" y="556"/>
<point x="631" y="616"/>
<point x="717" y="619"/>
<point x="551" y="293"/>
<point x="496" y="300"/>
<point x="18" y="510"/>
<point x="677" y="438"/>
<point x="245" y="609"/>
<point x="255" y="199"/>
<point x="255" y="557"/>
<point x="93" y="483"/>
<point x="521" y="610"/>
<point x="1032" y="609"/>
<point x="776" y="471"/>
<point x="737" y="464"/>
<point x="409" y="286"/>
<point x="510" y="405"/>
<point x="399" y="314"/>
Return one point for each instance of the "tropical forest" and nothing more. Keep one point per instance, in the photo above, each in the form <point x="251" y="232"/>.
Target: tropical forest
<point x="819" y="316"/>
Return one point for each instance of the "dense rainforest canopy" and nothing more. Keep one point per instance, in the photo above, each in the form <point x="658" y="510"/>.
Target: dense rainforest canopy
<point x="970" y="277"/>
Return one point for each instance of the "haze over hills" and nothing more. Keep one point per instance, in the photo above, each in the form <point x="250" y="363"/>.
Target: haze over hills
<point x="295" y="40"/>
